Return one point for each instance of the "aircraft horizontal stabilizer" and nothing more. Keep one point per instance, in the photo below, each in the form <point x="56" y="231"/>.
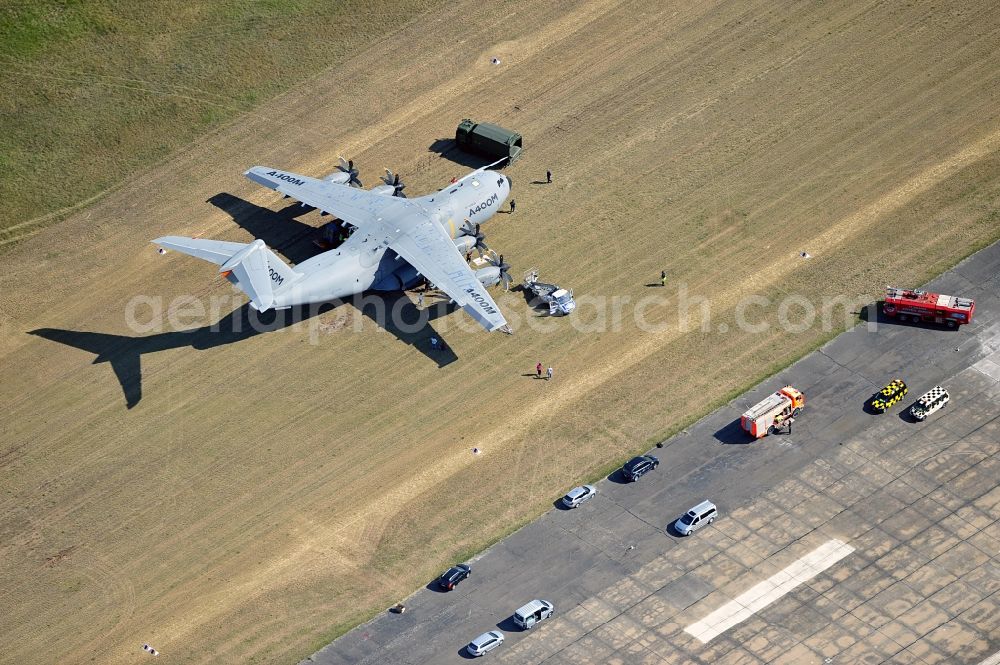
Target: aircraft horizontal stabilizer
<point x="253" y="268"/>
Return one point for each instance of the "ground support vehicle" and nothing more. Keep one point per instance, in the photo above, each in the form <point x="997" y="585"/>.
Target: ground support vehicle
<point x="489" y="140"/>
<point x="931" y="401"/>
<point x="559" y="300"/>
<point x="772" y="412"/>
<point x="915" y="305"/>
<point x="893" y="392"/>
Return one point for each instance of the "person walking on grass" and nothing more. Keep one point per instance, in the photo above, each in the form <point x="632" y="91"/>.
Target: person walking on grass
<point x="512" y="204"/>
<point x="548" y="374"/>
<point x="663" y="278"/>
<point x="538" y="371"/>
<point x="548" y="177"/>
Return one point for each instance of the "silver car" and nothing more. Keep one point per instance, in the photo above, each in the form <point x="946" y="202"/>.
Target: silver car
<point x="578" y="495"/>
<point x="485" y="643"/>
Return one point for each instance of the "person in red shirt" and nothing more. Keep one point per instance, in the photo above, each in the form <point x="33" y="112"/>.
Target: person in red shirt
<point x="538" y="371"/>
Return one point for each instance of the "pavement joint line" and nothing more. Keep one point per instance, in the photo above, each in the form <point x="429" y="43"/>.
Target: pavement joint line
<point x="917" y="464"/>
<point x="766" y="592"/>
<point x="603" y="623"/>
<point x="992" y="660"/>
<point x="881" y="632"/>
<point x="644" y="521"/>
<point x="623" y="545"/>
<point x="822" y="352"/>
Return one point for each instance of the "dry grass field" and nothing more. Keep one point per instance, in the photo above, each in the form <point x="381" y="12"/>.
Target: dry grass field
<point x="92" y="92"/>
<point x="268" y="492"/>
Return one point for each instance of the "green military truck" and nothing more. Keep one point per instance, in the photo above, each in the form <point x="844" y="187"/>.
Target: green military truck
<point x="489" y="140"/>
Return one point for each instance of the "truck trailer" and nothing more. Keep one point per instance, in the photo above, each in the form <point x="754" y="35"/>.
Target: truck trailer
<point x="773" y="412"/>
<point x="489" y="140"/>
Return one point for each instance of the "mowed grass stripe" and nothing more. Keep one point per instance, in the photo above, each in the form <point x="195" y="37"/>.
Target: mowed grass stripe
<point x="95" y="91"/>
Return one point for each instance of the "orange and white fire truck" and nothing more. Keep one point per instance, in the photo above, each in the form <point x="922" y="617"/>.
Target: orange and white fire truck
<point x="914" y="305"/>
<point x="773" y="412"/>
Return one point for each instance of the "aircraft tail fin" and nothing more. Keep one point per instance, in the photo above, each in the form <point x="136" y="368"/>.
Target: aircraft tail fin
<point x="253" y="268"/>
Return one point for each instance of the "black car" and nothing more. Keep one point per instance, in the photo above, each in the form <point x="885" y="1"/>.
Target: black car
<point x="450" y="578"/>
<point x="636" y="467"/>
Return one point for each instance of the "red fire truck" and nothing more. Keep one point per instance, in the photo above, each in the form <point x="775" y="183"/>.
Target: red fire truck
<point x="914" y="305"/>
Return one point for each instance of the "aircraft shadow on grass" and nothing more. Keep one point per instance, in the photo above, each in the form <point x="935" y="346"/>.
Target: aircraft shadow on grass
<point x="125" y="353"/>
<point x="281" y="230"/>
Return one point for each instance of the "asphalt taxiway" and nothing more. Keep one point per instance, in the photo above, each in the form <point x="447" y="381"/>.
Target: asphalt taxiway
<point x="858" y="538"/>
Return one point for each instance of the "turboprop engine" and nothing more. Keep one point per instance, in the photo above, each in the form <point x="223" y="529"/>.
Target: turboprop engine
<point x="478" y="237"/>
<point x="488" y="276"/>
<point x="392" y="187"/>
<point x="345" y="174"/>
<point x="465" y="244"/>
<point x="495" y="273"/>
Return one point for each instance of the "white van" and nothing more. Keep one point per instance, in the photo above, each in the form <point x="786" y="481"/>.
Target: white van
<point x="702" y="514"/>
<point x="929" y="402"/>
<point x="532" y="613"/>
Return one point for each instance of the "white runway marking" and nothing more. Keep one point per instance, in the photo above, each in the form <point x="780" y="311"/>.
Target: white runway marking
<point x="761" y="595"/>
<point x="992" y="660"/>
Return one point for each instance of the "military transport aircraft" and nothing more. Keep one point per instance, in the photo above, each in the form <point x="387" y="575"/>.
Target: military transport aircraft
<point x="397" y="243"/>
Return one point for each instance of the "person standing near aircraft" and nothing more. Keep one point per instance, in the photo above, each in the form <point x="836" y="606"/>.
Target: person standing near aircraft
<point x="512" y="206"/>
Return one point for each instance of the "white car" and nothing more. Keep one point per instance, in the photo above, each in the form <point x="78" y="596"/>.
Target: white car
<point x="485" y="643"/>
<point x="578" y="495"/>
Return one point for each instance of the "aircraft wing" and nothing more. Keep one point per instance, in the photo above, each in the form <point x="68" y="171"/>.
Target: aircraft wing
<point x="428" y="248"/>
<point x="357" y="207"/>
<point x="399" y="224"/>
